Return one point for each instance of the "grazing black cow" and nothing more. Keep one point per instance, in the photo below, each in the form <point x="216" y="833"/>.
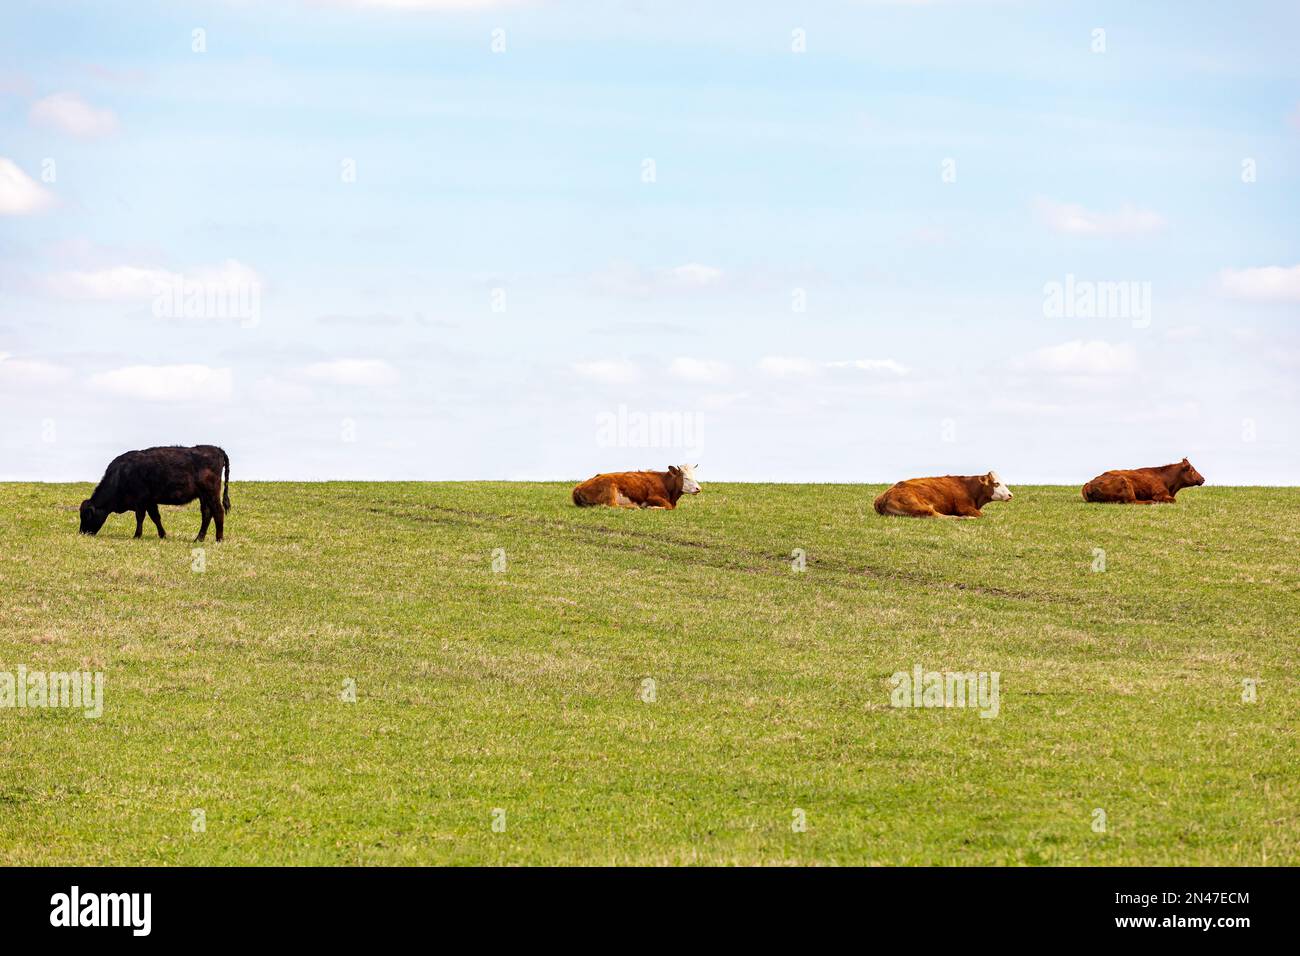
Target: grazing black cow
<point x="140" y="481"/>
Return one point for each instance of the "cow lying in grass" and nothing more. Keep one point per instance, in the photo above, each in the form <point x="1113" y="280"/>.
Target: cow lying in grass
<point x="638" y="489"/>
<point x="953" y="496"/>
<point x="140" y="481"/>
<point x="1143" y="486"/>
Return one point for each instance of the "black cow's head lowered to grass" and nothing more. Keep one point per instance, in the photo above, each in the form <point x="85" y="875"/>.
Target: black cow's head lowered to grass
<point x="92" y="518"/>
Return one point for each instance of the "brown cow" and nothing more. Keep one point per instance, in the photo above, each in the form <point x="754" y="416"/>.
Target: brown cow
<point x="953" y="496"/>
<point x="638" y="489"/>
<point x="1143" y="486"/>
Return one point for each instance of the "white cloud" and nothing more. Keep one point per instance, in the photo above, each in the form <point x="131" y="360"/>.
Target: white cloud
<point x="699" y="370"/>
<point x="19" y="193"/>
<point x="624" y="280"/>
<point x="125" y="283"/>
<point x="366" y="372"/>
<point x="1265" y="284"/>
<point x="167" y="383"/>
<point x="15" y="371"/>
<point x="116" y="284"/>
<point x="609" y="371"/>
<point x="872" y="365"/>
<point x="69" y="113"/>
<point x="231" y="272"/>
<point x="1075" y="220"/>
<point x="1082" y="358"/>
<point x="786" y="367"/>
<point x="694" y="274"/>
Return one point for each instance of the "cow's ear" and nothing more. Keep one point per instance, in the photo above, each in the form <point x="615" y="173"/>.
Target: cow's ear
<point x="674" y="470"/>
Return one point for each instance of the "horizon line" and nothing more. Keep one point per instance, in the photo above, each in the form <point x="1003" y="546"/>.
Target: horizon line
<point x="550" y="481"/>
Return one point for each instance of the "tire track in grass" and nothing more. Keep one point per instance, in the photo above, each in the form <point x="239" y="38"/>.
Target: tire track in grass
<point x="601" y="536"/>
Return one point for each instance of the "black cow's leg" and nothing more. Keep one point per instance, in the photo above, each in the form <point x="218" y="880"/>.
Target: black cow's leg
<point x="157" y="520"/>
<point x="218" y="514"/>
<point x="207" y="516"/>
<point x="139" y="522"/>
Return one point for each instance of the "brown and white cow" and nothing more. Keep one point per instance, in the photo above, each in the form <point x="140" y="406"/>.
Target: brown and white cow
<point x="952" y="496"/>
<point x="1143" y="486"/>
<point x="638" y="489"/>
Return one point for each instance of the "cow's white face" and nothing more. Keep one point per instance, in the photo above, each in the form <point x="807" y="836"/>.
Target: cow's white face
<point x="1000" y="491"/>
<point x="689" y="485"/>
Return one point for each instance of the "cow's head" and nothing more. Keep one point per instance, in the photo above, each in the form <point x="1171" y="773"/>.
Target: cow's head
<point x="1190" y="475"/>
<point x="997" y="487"/>
<point x="687" y="474"/>
<point x="92" y="518"/>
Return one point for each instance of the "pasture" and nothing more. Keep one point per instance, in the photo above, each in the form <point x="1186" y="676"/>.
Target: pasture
<point x="524" y="689"/>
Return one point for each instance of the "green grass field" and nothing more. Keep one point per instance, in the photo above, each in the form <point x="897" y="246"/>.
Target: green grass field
<point x="523" y="689"/>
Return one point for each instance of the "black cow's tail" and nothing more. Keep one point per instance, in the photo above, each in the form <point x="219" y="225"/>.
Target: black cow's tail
<point x="225" y="486"/>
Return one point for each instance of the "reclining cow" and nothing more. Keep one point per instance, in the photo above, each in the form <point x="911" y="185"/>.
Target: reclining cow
<point x="953" y="496"/>
<point x="140" y="481"/>
<point x="638" y="489"/>
<point x="1143" y="486"/>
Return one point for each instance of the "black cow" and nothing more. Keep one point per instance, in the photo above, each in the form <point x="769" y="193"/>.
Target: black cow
<point x="140" y="481"/>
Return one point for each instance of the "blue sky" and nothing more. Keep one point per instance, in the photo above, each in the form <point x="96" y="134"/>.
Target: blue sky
<point x="837" y="271"/>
